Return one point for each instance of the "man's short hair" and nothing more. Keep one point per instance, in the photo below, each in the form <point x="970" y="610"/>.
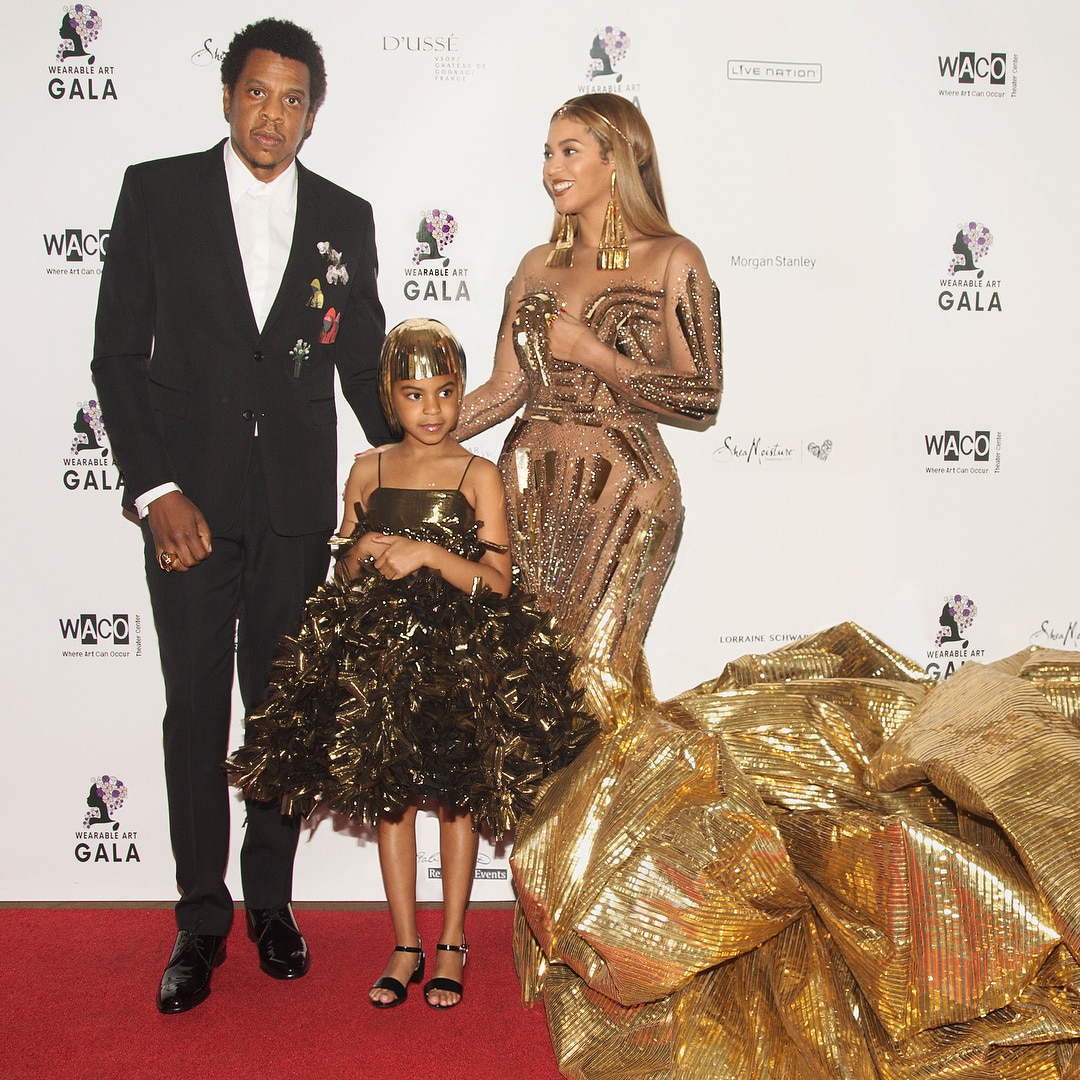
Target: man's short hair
<point x="281" y="37"/>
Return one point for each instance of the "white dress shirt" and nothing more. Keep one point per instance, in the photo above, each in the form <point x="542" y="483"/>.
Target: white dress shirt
<point x="264" y="216"/>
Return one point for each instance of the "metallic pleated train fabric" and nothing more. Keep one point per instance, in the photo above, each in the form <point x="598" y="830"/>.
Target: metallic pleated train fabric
<point x="822" y="864"/>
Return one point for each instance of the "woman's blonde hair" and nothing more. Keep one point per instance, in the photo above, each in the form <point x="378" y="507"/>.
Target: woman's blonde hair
<point x="624" y="137"/>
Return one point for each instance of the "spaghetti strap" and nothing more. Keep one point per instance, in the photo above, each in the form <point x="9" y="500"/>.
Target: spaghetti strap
<point x="379" y="464"/>
<point x="466" y="472"/>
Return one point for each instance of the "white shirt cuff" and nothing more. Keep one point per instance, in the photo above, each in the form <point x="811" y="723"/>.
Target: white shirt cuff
<point x="142" y="503"/>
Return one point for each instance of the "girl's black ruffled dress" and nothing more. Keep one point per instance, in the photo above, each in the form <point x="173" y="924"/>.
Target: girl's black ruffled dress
<point x="394" y="689"/>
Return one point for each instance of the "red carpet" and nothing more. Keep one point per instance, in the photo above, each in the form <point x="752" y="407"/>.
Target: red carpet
<point x="78" y="1001"/>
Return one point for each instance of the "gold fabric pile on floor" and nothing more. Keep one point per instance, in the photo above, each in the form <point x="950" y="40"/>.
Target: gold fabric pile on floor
<point x="822" y="864"/>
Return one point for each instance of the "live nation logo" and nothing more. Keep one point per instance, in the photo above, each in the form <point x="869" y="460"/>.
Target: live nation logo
<point x="86" y="466"/>
<point x="965" y="288"/>
<point x="92" y="635"/>
<point x="774" y="71"/>
<point x="430" y="277"/>
<point x="75" y="252"/>
<point x="952" y="642"/>
<point x="986" y="75"/>
<point x="963" y="452"/>
<point x="75" y="74"/>
<point x="102" y="839"/>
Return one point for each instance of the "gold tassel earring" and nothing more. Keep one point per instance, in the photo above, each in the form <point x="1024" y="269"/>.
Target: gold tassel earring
<point x="613" y="253"/>
<point x="563" y="252"/>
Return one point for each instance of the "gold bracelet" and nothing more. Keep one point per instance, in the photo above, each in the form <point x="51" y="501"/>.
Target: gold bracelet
<point x="341" y="544"/>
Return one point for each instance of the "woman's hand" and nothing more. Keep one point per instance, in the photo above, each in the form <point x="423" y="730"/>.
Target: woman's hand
<point x="567" y="336"/>
<point x="571" y="339"/>
<point x="371" y="450"/>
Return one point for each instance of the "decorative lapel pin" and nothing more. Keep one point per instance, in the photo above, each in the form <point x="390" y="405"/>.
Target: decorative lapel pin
<point x="299" y="353"/>
<point x="316" y="298"/>
<point x="336" y="273"/>
<point x="329" y="327"/>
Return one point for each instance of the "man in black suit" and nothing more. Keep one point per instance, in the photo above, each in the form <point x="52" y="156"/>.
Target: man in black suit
<point x="236" y="281"/>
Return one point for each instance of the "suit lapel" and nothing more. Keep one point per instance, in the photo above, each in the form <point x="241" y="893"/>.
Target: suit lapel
<point x="295" y="280"/>
<point x="219" y="213"/>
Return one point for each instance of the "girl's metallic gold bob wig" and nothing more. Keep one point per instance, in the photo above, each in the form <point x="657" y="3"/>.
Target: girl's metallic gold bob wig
<point x="418" y="349"/>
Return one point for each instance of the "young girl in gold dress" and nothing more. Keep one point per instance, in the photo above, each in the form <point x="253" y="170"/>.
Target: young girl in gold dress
<point x="420" y="671"/>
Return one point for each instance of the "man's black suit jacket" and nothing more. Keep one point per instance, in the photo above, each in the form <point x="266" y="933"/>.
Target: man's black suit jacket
<point x="183" y="373"/>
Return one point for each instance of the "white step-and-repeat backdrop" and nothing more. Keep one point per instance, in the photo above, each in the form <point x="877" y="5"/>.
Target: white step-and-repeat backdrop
<point x="883" y="193"/>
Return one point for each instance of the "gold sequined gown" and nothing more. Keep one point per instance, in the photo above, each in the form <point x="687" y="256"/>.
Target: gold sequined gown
<point x="820" y="865"/>
<point x="594" y="498"/>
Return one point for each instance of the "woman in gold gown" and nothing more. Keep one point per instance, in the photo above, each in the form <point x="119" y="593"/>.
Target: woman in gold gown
<point x="609" y="329"/>
<point x="822" y="864"/>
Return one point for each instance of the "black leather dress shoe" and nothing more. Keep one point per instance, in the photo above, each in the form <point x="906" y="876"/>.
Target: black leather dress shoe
<point x="186" y="981"/>
<point x="283" y="953"/>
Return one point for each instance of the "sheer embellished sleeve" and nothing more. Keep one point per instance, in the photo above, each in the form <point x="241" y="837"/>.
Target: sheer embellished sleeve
<point x="669" y="360"/>
<point x="505" y="390"/>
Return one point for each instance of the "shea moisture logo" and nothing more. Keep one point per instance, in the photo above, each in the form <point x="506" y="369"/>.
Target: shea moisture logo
<point x="765" y="450"/>
<point x="431" y="277"/>
<point x="87" y="467"/>
<point x="449" y="61"/>
<point x="1057" y="634"/>
<point x="207" y="54"/>
<point x="951" y="642"/>
<point x="979" y="75"/>
<point x="76" y="75"/>
<point x="966" y="288"/>
<point x="101" y="838"/>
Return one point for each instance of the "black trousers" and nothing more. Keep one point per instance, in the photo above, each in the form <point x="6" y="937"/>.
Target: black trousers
<point x="230" y="609"/>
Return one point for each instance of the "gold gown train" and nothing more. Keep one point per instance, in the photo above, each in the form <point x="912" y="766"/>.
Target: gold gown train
<point x="820" y="865"/>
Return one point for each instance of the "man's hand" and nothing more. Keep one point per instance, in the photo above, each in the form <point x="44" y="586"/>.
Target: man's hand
<point x="179" y="528"/>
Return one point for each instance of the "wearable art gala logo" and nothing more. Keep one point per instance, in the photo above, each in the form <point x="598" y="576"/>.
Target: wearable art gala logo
<point x="87" y="465"/>
<point x="966" y="286"/>
<point x="101" y="838"/>
<point x="75" y="74"/>
<point x="951" y="643"/>
<point x="609" y="48"/>
<point x="430" y="277"/>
